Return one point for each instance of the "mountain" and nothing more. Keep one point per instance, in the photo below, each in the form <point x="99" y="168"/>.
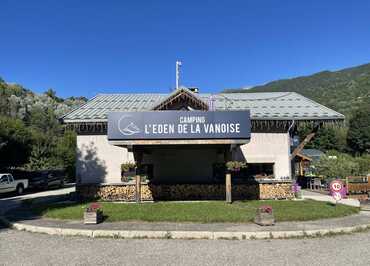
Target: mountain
<point x="31" y="137"/>
<point x="18" y="102"/>
<point x="344" y="90"/>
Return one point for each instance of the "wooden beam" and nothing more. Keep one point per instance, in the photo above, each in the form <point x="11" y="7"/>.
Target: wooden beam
<point x="178" y="142"/>
<point x="304" y="142"/>
<point x="138" y="156"/>
<point x="138" y="188"/>
<point x="228" y="188"/>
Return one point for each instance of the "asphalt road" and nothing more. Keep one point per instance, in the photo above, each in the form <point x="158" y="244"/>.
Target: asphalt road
<point x="11" y="201"/>
<point x="22" y="248"/>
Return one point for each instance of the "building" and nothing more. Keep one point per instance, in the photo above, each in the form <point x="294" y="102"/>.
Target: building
<point x="252" y="127"/>
<point x="305" y="161"/>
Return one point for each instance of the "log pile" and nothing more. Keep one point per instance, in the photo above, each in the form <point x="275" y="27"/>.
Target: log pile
<point x="146" y="193"/>
<point x="188" y="191"/>
<point x="108" y="193"/>
<point x="276" y="191"/>
<point x="150" y="192"/>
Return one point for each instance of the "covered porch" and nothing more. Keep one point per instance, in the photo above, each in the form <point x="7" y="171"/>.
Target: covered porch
<point x="167" y="170"/>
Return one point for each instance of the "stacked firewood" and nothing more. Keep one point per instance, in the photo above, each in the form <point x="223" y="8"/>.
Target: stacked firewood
<point x="149" y="192"/>
<point x="276" y="191"/>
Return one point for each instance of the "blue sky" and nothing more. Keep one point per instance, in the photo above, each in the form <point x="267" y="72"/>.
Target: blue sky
<point x="89" y="47"/>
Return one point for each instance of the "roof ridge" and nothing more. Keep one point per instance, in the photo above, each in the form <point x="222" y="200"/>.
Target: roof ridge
<point x="126" y="93"/>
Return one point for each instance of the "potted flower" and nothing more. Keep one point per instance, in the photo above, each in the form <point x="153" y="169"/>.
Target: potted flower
<point x="265" y="215"/>
<point x="296" y="189"/>
<point x="93" y="214"/>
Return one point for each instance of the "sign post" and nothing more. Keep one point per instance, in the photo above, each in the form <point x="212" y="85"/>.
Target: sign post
<point x="337" y="190"/>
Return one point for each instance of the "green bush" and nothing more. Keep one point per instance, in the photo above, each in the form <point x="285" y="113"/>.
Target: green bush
<point x="340" y="165"/>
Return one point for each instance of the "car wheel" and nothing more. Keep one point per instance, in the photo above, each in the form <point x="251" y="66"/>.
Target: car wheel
<point x="20" y="189"/>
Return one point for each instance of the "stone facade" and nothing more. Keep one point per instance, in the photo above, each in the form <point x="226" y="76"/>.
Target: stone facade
<point x="151" y="192"/>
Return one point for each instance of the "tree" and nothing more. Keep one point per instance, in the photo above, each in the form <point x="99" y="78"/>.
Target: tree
<point x="53" y="95"/>
<point x="66" y="153"/>
<point x="364" y="164"/>
<point x="44" y="120"/>
<point x="327" y="138"/>
<point x="337" y="165"/>
<point x="15" y="143"/>
<point x="358" y="138"/>
<point x="41" y="156"/>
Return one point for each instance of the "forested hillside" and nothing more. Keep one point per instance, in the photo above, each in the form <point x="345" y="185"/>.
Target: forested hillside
<point x="345" y="91"/>
<point x="31" y="137"/>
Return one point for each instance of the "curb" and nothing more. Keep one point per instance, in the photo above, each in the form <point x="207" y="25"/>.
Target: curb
<point x="211" y="235"/>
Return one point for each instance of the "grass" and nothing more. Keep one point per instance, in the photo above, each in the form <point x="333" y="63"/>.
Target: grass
<point x="201" y="212"/>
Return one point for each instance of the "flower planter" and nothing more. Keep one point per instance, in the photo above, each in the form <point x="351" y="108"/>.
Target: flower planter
<point x="93" y="217"/>
<point x="93" y="214"/>
<point x="298" y="195"/>
<point x="264" y="217"/>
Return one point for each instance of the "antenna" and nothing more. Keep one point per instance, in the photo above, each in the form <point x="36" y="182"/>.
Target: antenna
<point x="178" y="64"/>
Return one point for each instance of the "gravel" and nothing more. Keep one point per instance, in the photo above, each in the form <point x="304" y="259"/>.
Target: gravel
<point x="22" y="248"/>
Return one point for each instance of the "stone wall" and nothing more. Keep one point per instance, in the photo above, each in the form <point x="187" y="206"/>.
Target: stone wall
<point x="151" y="192"/>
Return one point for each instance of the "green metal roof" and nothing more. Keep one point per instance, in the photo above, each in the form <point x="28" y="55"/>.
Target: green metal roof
<point x="263" y="106"/>
<point x="312" y="153"/>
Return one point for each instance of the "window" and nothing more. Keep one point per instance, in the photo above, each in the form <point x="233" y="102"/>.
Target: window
<point x="10" y="178"/>
<point x="4" y="179"/>
<point x="260" y="170"/>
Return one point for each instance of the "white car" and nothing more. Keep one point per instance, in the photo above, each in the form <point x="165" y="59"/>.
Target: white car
<point x="8" y="184"/>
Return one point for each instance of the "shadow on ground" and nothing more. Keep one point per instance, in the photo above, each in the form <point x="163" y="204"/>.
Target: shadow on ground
<point x="19" y="209"/>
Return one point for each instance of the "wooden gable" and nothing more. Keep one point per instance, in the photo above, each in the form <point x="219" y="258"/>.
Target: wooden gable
<point x="182" y="99"/>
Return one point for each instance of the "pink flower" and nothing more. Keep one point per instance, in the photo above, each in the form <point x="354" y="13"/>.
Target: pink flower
<point x="266" y="208"/>
<point x="95" y="206"/>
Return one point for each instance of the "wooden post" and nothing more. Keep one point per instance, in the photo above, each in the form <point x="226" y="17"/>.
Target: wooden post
<point x="228" y="188"/>
<point x="138" y="188"/>
<point x="228" y="157"/>
<point x="138" y="155"/>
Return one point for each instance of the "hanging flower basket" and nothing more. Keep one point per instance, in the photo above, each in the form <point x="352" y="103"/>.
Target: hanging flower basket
<point x="264" y="216"/>
<point x="128" y="171"/>
<point x="235" y="166"/>
<point x="93" y="214"/>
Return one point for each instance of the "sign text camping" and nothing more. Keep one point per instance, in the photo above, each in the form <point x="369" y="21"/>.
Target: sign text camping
<point x="179" y="125"/>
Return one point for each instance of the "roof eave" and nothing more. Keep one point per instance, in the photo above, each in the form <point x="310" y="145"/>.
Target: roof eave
<point x="327" y="119"/>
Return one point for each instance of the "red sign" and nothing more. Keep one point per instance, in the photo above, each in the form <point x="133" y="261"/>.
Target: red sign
<point x="336" y="185"/>
<point x="337" y="189"/>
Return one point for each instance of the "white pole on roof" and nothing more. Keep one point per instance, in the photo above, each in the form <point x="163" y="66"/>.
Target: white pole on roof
<point x="178" y="64"/>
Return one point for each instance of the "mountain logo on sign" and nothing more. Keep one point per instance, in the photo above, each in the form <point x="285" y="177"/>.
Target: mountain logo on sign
<point x="127" y="127"/>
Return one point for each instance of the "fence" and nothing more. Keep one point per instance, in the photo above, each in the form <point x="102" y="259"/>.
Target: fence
<point x="358" y="187"/>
